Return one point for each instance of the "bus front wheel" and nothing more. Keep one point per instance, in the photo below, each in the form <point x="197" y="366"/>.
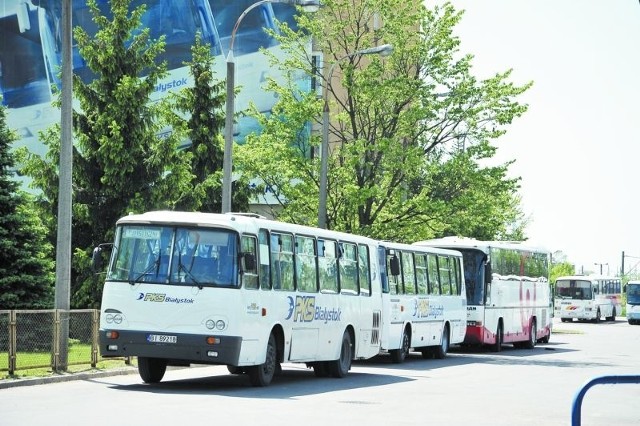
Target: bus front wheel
<point x="399" y="355"/>
<point x="497" y="346"/>
<point x="597" y="318"/>
<point x="533" y="330"/>
<point x="261" y="375"/>
<point x="151" y="370"/>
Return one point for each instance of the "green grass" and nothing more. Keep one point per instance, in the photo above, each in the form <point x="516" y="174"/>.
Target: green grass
<point x="38" y="364"/>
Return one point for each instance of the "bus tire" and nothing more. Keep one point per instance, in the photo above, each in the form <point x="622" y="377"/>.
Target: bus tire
<point x="497" y="346"/>
<point x="546" y="337"/>
<point x="399" y="355"/>
<point x="235" y="370"/>
<point x="341" y="366"/>
<point x="440" y="352"/>
<point x="613" y="315"/>
<point x="597" y="318"/>
<point x="427" y="353"/>
<point x="151" y="370"/>
<point x="261" y="375"/>
<point x="321" y="369"/>
<point x="533" y="331"/>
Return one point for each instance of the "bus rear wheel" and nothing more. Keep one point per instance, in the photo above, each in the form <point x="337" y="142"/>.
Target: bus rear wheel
<point x="321" y="368"/>
<point x="261" y="375"/>
<point x="151" y="370"/>
<point x="340" y="367"/>
<point x="440" y="352"/>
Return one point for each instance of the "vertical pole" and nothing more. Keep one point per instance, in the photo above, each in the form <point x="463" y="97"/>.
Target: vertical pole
<point x="228" y="135"/>
<point x="13" y="342"/>
<point x="324" y="158"/>
<point x="622" y="267"/>
<point x="63" y="243"/>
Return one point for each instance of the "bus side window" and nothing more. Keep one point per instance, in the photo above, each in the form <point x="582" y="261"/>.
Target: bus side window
<point x="408" y="273"/>
<point x="305" y="258"/>
<point x="264" y="275"/>
<point x="434" y="275"/>
<point x="421" y="274"/>
<point x="327" y="266"/>
<point x="363" y="270"/>
<point x="348" y="269"/>
<point x="282" y="261"/>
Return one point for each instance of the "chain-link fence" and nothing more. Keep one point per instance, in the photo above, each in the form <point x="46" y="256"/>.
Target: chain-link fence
<point x="52" y="338"/>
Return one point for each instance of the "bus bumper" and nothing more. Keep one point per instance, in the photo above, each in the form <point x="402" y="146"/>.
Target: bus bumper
<point x="189" y="348"/>
<point x="474" y="335"/>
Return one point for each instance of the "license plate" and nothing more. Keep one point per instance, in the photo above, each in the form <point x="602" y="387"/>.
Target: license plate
<point x="161" y="338"/>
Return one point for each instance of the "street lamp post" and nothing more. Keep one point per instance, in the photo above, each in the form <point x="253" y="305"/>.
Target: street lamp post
<point x="382" y="50"/>
<point x="227" y="162"/>
<point x="601" y="265"/>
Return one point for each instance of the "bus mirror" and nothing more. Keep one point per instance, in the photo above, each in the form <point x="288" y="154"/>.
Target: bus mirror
<point x="595" y="289"/>
<point x="624" y="289"/>
<point x="96" y="259"/>
<point x="394" y="265"/>
<point x="487" y="273"/>
<point x="249" y="262"/>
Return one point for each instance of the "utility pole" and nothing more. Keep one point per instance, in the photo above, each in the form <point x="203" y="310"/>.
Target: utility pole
<point x="63" y="242"/>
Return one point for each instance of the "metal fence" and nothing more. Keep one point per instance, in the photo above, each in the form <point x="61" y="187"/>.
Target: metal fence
<point x="31" y="339"/>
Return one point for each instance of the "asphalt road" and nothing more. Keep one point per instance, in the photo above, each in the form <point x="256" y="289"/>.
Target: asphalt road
<point x="513" y="387"/>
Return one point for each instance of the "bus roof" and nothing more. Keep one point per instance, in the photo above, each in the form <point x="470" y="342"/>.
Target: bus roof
<point x="241" y="222"/>
<point x="587" y="277"/>
<point x="457" y="243"/>
<point x="417" y="247"/>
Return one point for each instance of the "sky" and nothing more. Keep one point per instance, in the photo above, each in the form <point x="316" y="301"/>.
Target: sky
<point x="577" y="148"/>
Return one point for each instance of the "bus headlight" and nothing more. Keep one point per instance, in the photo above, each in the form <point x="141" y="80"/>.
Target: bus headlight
<point x="216" y="324"/>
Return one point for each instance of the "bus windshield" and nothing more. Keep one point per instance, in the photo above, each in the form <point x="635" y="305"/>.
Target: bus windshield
<point x="574" y="289"/>
<point x="633" y="294"/>
<point x="474" y="261"/>
<point x="175" y="256"/>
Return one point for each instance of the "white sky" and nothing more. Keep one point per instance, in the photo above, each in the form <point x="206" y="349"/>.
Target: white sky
<point x="577" y="148"/>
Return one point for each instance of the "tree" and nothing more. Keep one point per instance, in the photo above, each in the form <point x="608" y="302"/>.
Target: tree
<point x="121" y="164"/>
<point x="410" y="133"/>
<point x="203" y="106"/>
<point x="26" y="269"/>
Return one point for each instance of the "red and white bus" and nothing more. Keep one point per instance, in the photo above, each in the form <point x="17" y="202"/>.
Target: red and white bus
<point x="508" y="293"/>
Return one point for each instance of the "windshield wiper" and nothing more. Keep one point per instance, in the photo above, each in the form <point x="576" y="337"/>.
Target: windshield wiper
<point x="149" y="268"/>
<point x="181" y="267"/>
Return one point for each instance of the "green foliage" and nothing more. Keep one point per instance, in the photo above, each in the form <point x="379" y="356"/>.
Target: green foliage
<point x="26" y="269"/>
<point x="120" y="163"/>
<point x="203" y="105"/>
<point x="561" y="269"/>
<point x="410" y="133"/>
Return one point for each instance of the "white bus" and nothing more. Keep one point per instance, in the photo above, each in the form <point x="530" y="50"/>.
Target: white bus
<point x="238" y="290"/>
<point x="588" y="297"/>
<point x="508" y="294"/>
<point x="423" y="300"/>
<point x="633" y="302"/>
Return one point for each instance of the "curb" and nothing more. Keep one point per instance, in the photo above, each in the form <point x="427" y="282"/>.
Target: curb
<point x="65" y="377"/>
